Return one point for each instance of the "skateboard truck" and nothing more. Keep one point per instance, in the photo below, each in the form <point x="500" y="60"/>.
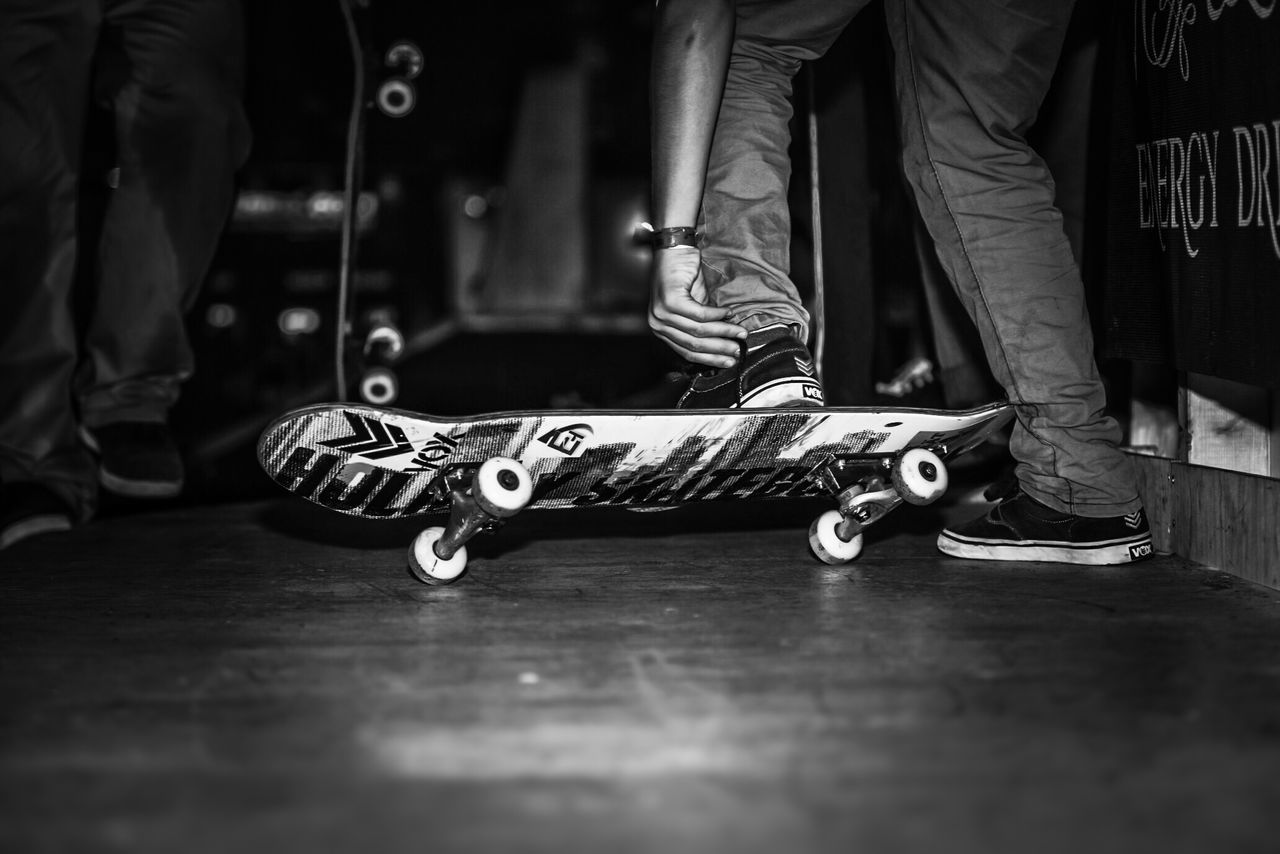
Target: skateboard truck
<point x="916" y="476"/>
<point x="480" y="500"/>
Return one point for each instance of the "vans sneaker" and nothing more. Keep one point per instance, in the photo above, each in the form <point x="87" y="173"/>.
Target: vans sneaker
<point x="774" y="370"/>
<point x="1021" y="528"/>
<point x="29" y="509"/>
<point x="136" y="459"/>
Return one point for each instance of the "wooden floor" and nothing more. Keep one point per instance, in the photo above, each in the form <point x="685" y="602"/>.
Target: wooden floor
<point x="266" y="677"/>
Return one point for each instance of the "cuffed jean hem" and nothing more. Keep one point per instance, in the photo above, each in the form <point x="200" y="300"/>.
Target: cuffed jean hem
<point x="1104" y="509"/>
<point x="752" y="318"/>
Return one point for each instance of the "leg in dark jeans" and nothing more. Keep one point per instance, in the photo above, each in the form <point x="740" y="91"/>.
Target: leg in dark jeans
<point x="172" y="73"/>
<point x="45" y="57"/>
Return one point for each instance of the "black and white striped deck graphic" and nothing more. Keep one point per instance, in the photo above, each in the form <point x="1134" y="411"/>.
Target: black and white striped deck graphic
<point x="382" y="463"/>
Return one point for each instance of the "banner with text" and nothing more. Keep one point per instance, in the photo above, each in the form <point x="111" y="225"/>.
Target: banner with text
<point x="1193" y="258"/>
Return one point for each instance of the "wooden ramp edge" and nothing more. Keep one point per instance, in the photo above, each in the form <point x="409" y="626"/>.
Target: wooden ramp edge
<point x="1222" y="519"/>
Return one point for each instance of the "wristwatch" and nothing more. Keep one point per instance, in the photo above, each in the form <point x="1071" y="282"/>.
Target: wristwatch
<point x="683" y="235"/>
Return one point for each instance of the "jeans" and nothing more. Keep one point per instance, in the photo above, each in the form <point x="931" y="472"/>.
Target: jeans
<point x="171" y="72"/>
<point x="970" y="76"/>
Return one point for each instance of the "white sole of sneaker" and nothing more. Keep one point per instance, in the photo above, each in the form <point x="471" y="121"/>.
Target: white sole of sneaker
<point x="787" y="392"/>
<point x="1110" y="553"/>
<point x="138" y="488"/>
<point x="124" y="486"/>
<point x="33" y="526"/>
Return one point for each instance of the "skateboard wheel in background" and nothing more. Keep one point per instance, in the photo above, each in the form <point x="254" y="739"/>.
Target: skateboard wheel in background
<point x="379" y="386"/>
<point x="385" y="343"/>
<point x="826" y="542"/>
<point x="919" y="476"/>
<point x="396" y="98"/>
<point x="502" y="487"/>
<point x="405" y="56"/>
<point x="430" y="568"/>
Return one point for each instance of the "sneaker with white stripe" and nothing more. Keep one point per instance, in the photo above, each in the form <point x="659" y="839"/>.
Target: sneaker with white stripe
<point x="1022" y="529"/>
<point x="775" y="369"/>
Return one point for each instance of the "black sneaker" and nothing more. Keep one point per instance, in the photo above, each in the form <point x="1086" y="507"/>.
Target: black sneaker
<point x="1021" y="528"/>
<point x="28" y="509"/>
<point x="137" y="459"/>
<point x="774" y="370"/>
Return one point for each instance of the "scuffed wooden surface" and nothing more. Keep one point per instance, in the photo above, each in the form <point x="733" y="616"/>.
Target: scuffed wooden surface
<point x="1221" y="519"/>
<point x="268" y="677"/>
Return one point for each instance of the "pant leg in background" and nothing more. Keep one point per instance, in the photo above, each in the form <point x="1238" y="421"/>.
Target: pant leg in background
<point x="970" y="78"/>
<point x="172" y="72"/>
<point x="963" y="375"/>
<point x="46" y="48"/>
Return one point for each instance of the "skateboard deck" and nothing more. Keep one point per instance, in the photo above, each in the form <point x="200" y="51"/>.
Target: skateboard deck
<point x="382" y="463"/>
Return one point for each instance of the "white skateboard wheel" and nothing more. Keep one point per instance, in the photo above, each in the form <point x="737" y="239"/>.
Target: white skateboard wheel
<point x="827" y="544"/>
<point x="430" y="568"/>
<point x="379" y="386"/>
<point x="502" y="487"/>
<point x="396" y="98"/>
<point x="919" y="476"/>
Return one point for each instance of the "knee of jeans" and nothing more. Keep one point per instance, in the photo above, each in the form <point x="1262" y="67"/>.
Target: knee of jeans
<point x="30" y="165"/>
<point x="198" y="113"/>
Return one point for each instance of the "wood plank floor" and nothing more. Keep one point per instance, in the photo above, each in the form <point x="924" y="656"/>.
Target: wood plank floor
<point x="266" y="677"/>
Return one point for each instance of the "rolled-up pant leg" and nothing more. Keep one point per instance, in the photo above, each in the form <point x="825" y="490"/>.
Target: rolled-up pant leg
<point x="746" y="222"/>
<point x="970" y="76"/>
<point x="45" y="52"/>
<point x="173" y="76"/>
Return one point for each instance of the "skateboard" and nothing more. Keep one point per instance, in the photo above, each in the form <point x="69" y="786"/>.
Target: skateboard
<point x="383" y="463"/>
<point x="370" y="345"/>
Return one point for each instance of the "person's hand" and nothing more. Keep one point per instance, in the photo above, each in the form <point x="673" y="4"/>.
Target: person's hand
<point x="679" y="315"/>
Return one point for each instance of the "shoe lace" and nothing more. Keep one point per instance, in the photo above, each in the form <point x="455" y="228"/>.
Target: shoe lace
<point x="689" y="371"/>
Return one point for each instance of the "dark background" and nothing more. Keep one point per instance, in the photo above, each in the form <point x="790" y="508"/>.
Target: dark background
<point x="476" y="58"/>
<point x="458" y="141"/>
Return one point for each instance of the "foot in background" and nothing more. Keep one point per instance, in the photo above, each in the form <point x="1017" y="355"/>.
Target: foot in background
<point x="28" y="510"/>
<point x="912" y="377"/>
<point x="775" y="369"/>
<point x="1022" y="529"/>
<point x="136" y="459"/>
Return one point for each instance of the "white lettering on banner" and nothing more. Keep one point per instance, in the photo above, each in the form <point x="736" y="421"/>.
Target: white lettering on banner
<point x="1263" y="10"/>
<point x="1256" y="204"/>
<point x="1159" y="28"/>
<point x="1178" y="185"/>
<point x="1161" y="33"/>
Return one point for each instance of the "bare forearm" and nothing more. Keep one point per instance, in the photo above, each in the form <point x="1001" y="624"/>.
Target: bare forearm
<point x="691" y="45"/>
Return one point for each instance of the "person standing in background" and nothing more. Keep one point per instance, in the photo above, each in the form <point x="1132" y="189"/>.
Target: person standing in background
<point x="87" y="407"/>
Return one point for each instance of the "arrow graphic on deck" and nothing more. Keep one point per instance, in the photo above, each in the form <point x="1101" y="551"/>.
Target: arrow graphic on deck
<point x="371" y="438"/>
